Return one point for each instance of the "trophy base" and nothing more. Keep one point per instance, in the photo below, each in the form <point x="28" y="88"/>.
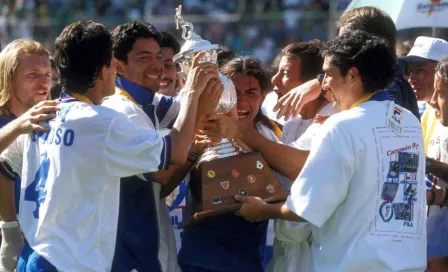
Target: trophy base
<point x="200" y="217"/>
<point x="213" y="185"/>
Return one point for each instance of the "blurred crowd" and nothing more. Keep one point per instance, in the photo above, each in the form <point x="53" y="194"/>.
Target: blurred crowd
<point x="267" y="25"/>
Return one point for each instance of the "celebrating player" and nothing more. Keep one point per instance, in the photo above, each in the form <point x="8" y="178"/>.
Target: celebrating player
<point x="71" y="174"/>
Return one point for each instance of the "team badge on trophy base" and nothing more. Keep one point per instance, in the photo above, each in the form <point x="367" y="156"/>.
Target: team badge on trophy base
<point x="224" y="170"/>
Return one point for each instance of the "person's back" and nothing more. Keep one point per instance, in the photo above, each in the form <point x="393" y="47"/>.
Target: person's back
<point x="78" y="162"/>
<point x="384" y="207"/>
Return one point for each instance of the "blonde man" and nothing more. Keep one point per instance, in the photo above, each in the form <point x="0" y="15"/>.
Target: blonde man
<point x="25" y="80"/>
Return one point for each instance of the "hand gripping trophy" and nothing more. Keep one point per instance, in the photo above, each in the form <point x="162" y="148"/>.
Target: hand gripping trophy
<point x="193" y="45"/>
<point x="223" y="170"/>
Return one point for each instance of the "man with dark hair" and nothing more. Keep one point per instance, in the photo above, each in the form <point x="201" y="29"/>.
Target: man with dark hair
<point x="422" y="62"/>
<point x="350" y="189"/>
<point x="436" y="196"/>
<point x="375" y="22"/>
<point x="299" y="62"/>
<point x="169" y="84"/>
<point x="71" y="174"/>
<point x="144" y="238"/>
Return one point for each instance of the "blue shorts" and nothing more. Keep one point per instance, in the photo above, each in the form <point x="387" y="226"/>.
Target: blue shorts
<point x="30" y="261"/>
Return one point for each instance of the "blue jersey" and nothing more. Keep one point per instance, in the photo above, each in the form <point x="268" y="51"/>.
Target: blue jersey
<point x="227" y="243"/>
<point x="138" y="244"/>
<point x="4" y="120"/>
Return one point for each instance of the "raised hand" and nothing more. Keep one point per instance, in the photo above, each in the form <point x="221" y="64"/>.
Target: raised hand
<point x="290" y="104"/>
<point x="221" y="124"/>
<point x="209" y="100"/>
<point x="200" y="74"/>
<point x="33" y="119"/>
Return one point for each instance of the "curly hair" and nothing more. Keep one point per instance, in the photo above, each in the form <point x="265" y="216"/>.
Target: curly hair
<point x="372" y="20"/>
<point x="309" y="55"/>
<point x="125" y="35"/>
<point x="81" y="51"/>
<point x="372" y="56"/>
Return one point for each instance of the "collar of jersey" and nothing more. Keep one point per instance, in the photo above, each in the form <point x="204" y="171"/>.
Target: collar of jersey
<point x="381" y="95"/>
<point x="67" y="98"/>
<point x="133" y="92"/>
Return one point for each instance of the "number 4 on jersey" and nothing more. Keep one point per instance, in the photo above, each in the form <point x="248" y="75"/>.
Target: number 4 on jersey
<point x="36" y="192"/>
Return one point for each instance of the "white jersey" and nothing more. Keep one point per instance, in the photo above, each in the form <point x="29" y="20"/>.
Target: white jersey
<point x="437" y="222"/>
<point x="71" y="182"/>
<point x="363" y="190"/>
<point x="292" y="251"/>
<point x="167" y="244"/>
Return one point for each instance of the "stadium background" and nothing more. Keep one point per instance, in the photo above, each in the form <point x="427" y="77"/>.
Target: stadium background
<point x="256" y="27"/>
<point x="249" y="27"/>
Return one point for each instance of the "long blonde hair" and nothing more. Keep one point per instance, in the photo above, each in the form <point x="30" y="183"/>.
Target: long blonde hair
<point x="9" y="64"/>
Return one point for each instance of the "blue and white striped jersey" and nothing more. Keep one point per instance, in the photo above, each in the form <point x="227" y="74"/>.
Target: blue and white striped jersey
<point x="145" y="239"/>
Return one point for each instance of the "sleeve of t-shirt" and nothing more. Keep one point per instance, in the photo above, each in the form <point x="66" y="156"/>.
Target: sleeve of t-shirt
<point x="323" y="183"/>
<point x="132" y="150"/>
<point x="12" y="159"/>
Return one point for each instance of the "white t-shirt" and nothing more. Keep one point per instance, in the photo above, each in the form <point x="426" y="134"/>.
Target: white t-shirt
<point x="363" y="190"/>
<point x="298" y="132"/>
<point x="292" y="250"/>
<point x="167" y="244"/>
<point x="437" y="221"/>
<point x="71" y="182"/>
<point x="268" y="105"/>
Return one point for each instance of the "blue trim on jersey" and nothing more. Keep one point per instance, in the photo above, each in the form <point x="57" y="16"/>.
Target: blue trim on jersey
<point x="30" y="261"/>
<point x="165" y="155"/>
<point x="137" y="245"/>
<point x="381" y="96"/>
<point x="171" y="124"/>
<point x="140" y="94"/>
<point x="4" y="120"/>
<point x="149" y="109"/>
<point x="164" y="105"/>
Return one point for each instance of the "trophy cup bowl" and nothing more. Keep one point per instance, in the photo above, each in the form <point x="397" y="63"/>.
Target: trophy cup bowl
<point x="223" y="170"/>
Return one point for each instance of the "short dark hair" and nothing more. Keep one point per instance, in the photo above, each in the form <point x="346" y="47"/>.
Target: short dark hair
<point x="168" y="40"/>
<point x="249" y="67"/>
<point x="310" y="58"/>
<point x="372" y="20"/>
<point x="442" y="69"/>
<point x="125" y="35"/>
<point x="81" y="51"/>
<point x="372" y="56"/>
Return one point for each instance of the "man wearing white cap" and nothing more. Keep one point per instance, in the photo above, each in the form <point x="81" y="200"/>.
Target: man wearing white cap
<point x="422" y="61"/>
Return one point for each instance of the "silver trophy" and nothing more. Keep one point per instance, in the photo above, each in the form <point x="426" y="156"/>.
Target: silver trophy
<point x="193" y="45"/>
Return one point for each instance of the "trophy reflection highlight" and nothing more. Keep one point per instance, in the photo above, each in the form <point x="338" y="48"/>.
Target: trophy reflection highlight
<point x="193" y="45"/>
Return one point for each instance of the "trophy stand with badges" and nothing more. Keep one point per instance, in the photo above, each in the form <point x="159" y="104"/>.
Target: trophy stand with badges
<point x="223" y="170"/>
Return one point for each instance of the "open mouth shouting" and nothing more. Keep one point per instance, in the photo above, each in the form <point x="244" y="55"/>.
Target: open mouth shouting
<point x="243" y="114"/>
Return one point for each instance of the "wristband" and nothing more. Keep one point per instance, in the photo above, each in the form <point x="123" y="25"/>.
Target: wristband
<point x="193" y="156"/>
<point x="9" y="225"/>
